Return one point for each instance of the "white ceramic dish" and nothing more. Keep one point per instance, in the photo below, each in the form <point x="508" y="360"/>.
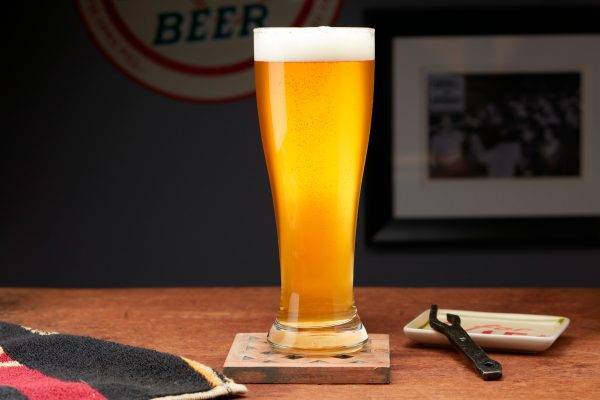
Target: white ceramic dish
<point x="519" y="332"/>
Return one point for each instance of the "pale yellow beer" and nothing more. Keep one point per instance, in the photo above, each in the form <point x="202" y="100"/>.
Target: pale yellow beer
<point x="314" y="102"/>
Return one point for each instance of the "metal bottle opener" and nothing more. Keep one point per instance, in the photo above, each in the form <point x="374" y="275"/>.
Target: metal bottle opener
<point x="488" y="369"/>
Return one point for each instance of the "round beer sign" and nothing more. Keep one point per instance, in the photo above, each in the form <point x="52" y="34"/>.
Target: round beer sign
<point x="195" y="50"/>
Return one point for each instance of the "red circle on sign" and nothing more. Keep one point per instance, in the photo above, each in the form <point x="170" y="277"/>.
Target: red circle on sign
<point x="139" y="45"/>
<point x="112" y="42"/>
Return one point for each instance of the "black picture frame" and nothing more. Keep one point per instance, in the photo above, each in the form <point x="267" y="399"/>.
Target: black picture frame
<point x="382" y="229"/>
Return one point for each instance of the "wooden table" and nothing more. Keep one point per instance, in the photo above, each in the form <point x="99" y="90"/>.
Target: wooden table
<point x="200" y="323"/>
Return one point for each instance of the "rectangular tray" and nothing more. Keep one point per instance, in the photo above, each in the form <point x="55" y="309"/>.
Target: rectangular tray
<point x="519" y="332"/>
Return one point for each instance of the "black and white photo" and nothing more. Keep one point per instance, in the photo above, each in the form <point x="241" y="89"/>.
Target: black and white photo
<point x="504" y="125"/>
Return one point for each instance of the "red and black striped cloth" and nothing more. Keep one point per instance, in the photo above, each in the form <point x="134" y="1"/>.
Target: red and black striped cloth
<point x="38" y="365"/>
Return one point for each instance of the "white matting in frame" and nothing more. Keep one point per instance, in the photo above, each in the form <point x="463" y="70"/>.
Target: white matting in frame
<point x="415" y="195"/>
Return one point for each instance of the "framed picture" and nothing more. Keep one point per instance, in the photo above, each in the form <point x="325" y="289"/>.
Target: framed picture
<point x="483" y="130"/>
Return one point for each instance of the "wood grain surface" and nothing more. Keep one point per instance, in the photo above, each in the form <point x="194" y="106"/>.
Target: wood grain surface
<point x="252" y="360"/>
<point x="200" y="323"/>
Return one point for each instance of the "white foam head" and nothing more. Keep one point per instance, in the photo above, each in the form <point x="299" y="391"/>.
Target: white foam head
<point x="323" y="43"/>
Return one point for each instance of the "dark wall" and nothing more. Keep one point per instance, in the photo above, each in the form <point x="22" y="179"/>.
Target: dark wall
<point x="103" y="183"/>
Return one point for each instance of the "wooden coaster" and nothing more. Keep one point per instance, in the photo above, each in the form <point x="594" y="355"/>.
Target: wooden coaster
<point x="252" y="360"/>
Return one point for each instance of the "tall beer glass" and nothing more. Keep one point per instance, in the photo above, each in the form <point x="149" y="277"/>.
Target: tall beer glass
<point x="314" y="89"/>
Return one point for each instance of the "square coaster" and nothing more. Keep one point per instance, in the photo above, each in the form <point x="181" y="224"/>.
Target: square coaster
<point x="252" y="360"/>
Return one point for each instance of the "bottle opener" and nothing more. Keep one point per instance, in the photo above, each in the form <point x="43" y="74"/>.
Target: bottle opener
<point x="486" y="367"/>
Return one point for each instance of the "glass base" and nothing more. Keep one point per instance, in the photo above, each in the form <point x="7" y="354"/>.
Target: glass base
<point x="347" y="337"/>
